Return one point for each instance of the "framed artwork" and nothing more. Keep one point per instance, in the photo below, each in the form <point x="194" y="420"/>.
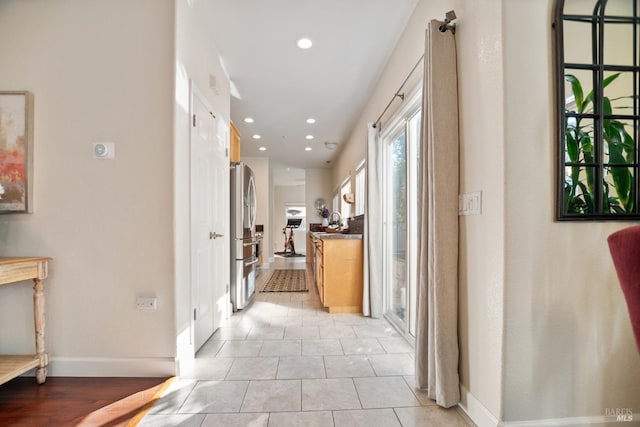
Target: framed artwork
<point x="16" y="152"/>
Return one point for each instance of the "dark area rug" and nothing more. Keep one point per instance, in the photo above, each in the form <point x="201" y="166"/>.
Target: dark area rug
<point x="287" y="281"/>
<point x="289" y="254"/>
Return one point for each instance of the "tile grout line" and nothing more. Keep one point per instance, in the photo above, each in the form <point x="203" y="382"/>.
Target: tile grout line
<point x="341" y="341"/>
<point x="244" y="396"/>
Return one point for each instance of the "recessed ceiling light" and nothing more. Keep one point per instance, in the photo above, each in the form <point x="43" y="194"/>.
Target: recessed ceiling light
<point x="256" y="136"/>
<point x="309" y="137"/>
<point x="311" y="120"/>
<point x="308" y="149"/>
<point x="248" y="120"/>
<point x="304" y="43"/>
<point x="263" y="148"/>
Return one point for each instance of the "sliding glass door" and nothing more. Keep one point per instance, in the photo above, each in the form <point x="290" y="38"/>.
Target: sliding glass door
<point x="400" y="171"/>
<point x="395" y="222"/>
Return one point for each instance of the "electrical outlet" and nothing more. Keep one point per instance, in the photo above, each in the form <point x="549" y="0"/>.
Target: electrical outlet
<point x="146" y="303"/>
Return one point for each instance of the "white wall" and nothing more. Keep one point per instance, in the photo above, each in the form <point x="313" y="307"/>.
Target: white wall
<point x="196" y="59"/>
<point x="482" y="251"/>
<point x="100" y="71"/>
<point x="569" y="349"/>
<point x="317" y="185"/>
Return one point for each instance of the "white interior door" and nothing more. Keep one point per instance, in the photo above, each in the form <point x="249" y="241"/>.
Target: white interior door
<point x="209" y="219"/>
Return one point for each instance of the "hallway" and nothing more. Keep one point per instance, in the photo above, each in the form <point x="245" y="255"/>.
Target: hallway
<point x="284" y="361"/>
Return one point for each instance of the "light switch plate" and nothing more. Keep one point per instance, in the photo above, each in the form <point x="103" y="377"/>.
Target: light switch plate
<point x="470" y="203"/>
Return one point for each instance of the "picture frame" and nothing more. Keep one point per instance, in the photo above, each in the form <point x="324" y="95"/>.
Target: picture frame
<point x="16" y="152"/>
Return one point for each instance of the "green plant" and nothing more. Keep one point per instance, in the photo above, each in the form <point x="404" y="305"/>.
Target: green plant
<point x="580" y="177"/>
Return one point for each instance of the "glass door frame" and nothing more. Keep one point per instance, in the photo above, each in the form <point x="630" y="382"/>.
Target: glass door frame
<point x="398" y="124"/>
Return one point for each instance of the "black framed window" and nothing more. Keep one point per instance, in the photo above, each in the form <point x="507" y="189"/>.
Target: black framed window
<point x="597" y="74"/>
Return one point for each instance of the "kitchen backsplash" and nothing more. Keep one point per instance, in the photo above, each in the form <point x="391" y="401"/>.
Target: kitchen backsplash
<point x="316" y="227"/>
<point x="356" y="225"/>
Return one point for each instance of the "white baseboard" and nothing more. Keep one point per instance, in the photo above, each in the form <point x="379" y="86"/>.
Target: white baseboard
<point x="111" y="367"/>
<point x="481" y="416"/>
<point x="475" y="410"/>
<point x="595" y="420"/>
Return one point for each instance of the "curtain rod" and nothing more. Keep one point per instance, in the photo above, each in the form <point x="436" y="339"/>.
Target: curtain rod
<point x="398" y="94"/>
<point x="446" y="25"/>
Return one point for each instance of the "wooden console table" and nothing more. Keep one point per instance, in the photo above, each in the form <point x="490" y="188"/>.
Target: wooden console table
<point x="17" y="269"/>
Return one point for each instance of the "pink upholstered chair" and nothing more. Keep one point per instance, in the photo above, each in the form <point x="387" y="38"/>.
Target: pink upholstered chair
<point x="624" y="246"/>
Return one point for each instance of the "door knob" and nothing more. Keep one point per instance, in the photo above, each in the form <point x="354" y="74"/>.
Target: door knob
<point x="214" y="235"/>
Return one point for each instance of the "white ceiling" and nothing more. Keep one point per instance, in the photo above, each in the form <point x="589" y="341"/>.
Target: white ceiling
<point x="288" y="176"/>
<point x="280" y="85"/>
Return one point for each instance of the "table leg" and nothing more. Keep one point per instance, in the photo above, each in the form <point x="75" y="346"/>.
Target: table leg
<point x="38" y="312"/>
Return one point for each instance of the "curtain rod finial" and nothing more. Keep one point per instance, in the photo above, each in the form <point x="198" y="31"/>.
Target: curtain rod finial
<point x="449" y="16"/>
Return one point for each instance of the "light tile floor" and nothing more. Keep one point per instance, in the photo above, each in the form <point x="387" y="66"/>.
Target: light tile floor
<point x="284" y="361"/>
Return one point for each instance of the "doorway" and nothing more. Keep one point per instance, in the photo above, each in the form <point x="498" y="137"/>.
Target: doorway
<point x="289" y="212"/>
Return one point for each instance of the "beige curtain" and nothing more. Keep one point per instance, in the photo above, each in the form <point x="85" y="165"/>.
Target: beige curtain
<point x="437" y="331"/>
<point x="372" y="292"/>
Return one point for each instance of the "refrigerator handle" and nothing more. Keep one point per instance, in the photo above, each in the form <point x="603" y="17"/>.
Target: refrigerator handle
<point x="251" y="203"/>
<point x="247" y="264"/>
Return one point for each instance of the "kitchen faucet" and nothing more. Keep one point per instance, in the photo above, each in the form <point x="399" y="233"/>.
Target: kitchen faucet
<point x="331" y="218"/>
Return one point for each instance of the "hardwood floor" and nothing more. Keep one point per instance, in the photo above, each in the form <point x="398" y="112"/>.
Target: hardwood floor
<point x="76" y="401"/>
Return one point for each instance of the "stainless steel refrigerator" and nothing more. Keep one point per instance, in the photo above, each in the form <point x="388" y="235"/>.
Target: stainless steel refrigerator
<point x="243" y="236"/>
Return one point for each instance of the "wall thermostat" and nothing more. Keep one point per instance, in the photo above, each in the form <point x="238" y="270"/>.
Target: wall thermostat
<point x="104" y="150"/>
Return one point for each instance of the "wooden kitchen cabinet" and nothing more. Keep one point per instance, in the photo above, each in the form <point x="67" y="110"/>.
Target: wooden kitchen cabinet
<point x="310" y="247"/>
<point x="318" y="270"/>
<point x="234" y="149"/>
<point x="338" y="273"/>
